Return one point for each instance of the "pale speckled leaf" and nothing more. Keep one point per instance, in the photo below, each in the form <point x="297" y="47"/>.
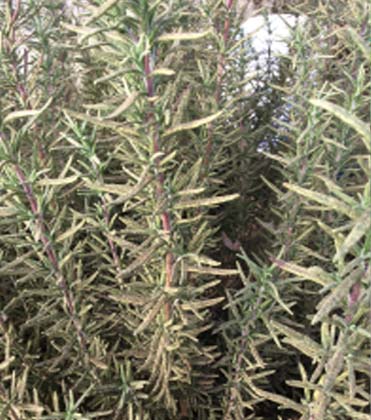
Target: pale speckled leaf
<point x="183" y="36"/>
<point x="213" y="271"/>
<point x="124" y="106"/>
<point x="193" y="124"/>
<point x="70" y="232"/>
<point x="315" y="273"/>
<point x="8" y="211"/>
<point x="363" y="45"/>
<point x="325" y="200"/>
<point x="101" y="10"/>
<point x="156" y="308"/>
<point x="360" y="228"/>
<point x="332" y="300"/>
<point x="163" y="72"/>
<point x="57" y="182"/>
<point x="27" y="113"/>
<point x="212" y="201"/>
<point x="298" y="340"/>
<point x="350" y="119"/>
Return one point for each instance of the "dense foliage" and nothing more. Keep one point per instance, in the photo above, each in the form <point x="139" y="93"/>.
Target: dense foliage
<point x="181" y="237"/>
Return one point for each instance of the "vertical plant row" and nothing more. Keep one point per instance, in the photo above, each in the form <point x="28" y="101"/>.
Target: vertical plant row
<point x="115" y="127"/>
<point x="321" y="266"/>
<point x="39" y="308"/>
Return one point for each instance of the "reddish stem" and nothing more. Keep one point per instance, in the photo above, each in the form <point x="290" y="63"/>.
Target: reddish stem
<point x="165" y="216"/>
<point x="15" y="12"/>
<point x="51" y="254"/>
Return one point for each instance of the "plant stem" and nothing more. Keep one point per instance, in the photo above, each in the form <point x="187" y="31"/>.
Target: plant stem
<point x="111" y="244"/>
<point x="220" y="74"/>
<point x="165" y="215"/>
<point x="44" y="235"/>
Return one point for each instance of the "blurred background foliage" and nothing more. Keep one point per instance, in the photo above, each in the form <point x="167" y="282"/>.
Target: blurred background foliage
<point x="182" y="236"/>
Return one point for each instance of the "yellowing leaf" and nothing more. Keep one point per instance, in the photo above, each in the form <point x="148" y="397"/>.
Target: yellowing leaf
<point x="192" y="191"/>
<point x="98" y="363"/>
<point x="193" y="124"/>
<point x="350" y="119"/>
<point x="183" y="36"/>
<point x="336" y="190"/>
<point x="332" y="300"/>
<point x="7" y="211"/>
<point x="58" y="181"/>
<point x="360" y="228"/>
<point x="162" y="72"/>
<point x="112" y="75"/>
<point x="298" y="340"/>
<point x="118" y="189"/>
<point x="6" y="362"/>
<point x="277" y="398"/>
<point x="124" y="106"/>
<point x="115" y="126"/>
<point x="205" y="201"/>
<point x="20" y="114"/>
<point x="213" y="271"/>
<point x="325" y="200"/>
<point x="125" y="192"/>
<point x="316" y="274"/>
<point x="156" y="308"/>
<point x="93" y="120"/>
<point x="361" y="43"/>
<point x="77" y="29"/>
<point x="26" y="113"/>
<point x="101" y="10"/>
<point x="140" y="261"/>
<point x="70" y="232"/>
<point x="202" y="304"/>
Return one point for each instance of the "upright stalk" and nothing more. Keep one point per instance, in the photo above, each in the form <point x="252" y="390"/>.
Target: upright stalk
<point x="219" y="79"/>
<point x="44" y="234"/>
<point x="165" y="215"/>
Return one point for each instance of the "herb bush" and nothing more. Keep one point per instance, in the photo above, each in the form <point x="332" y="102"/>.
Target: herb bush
<point x="317" y="358"/>
<point x="137" y="156"/>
